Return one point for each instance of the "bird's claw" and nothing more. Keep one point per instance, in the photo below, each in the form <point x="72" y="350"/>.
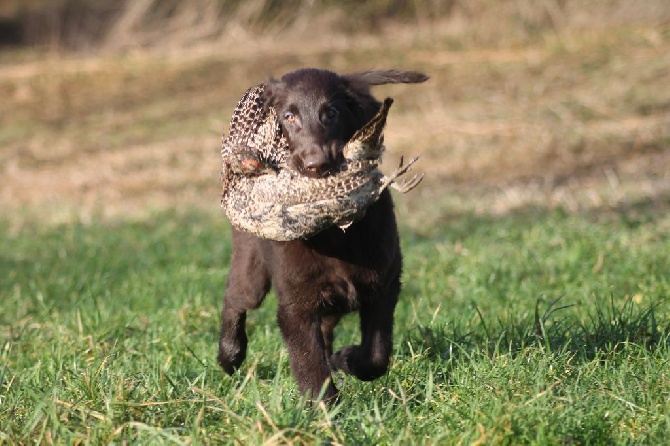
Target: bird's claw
<point x="404" y="186"/>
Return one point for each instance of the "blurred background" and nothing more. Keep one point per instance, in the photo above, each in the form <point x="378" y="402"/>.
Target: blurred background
<point x="116" y="108"/>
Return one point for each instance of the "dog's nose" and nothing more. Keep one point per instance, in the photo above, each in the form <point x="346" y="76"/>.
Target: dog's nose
<point x="317" y="164"/>
<point x="314" y="167"/>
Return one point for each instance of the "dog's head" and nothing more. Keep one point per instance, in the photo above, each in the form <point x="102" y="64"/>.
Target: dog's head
<point x="320" y="111"/>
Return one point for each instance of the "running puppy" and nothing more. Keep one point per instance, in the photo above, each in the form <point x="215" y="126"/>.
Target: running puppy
<point x="319" y="280"/>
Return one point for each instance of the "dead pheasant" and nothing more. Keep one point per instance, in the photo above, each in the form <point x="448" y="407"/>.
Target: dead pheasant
<point x="263" y="196"/>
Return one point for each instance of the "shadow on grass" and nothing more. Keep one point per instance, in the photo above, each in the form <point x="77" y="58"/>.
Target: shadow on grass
<point x="600" y="336"/>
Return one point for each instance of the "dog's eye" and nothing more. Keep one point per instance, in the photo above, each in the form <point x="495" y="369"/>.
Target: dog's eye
<point x="289" y="117"/>
<point x="331" y="113"/>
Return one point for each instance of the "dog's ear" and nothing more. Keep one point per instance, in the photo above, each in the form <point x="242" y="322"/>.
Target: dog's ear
<point x="272" y="87"/>
<point x="360" y="102"/>
<point x="358" y="86"/>
<point x="380" y="77"/>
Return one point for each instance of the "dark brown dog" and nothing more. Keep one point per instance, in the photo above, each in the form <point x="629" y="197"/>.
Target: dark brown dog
<point x="320" y="279"/>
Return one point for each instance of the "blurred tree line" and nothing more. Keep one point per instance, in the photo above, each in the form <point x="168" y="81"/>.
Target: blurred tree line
<point x="118" y="24"/>
<point x="84" y="24"/>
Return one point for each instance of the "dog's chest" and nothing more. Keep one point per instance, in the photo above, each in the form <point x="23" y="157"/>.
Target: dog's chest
<point x="326" y="280"/>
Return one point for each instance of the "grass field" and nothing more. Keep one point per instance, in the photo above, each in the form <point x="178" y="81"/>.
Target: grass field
<point x="542" y="328"/>
<point x="536" y="298"/>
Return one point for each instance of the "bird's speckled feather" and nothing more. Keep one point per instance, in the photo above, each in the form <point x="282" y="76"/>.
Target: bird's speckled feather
<point x="263" y="196"/>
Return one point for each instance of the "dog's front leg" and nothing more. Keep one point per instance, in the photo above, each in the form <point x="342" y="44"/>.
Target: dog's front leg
<point x="371" y="358"/>
<point x="301" y="330"/>
<point x="248" y="284"/>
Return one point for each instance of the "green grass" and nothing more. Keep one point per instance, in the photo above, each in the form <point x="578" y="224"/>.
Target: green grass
<point x="541" y="328"/>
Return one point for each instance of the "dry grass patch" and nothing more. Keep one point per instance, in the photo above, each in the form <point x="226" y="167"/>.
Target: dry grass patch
<point x="577" y="119"/>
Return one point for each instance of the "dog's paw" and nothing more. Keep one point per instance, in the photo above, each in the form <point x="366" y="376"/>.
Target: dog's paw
<point x="231" y="355"/>
<point x="342" y="359"/>
<point x="352" y="360"/>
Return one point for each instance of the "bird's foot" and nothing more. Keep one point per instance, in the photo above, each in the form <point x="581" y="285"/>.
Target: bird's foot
<point x="407" y="185"/>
